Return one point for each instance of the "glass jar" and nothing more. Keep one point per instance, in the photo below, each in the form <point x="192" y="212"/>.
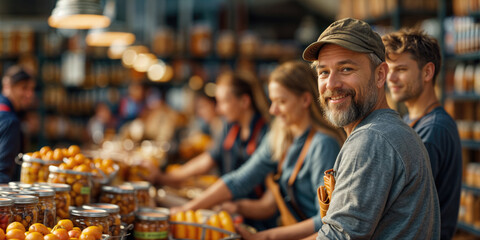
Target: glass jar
<point x="83" y="218"/>
<point x="124" y="197"/>
<point x="46" y="210"/>
<point x="151" y="224"/>
<point x="142" y="193"/>
<point x="80" y="183"/>
<point x="35" y="170"/>
<point x="25" y="209"/>
<point x="6" y="215"/>
<point x="114" y="219"/>
<point x="62" y="200"/>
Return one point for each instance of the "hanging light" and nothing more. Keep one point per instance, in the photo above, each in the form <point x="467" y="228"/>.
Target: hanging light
<point x="78" y="14"/>
<point x="113" y="35"/>
<point x="107" y="38"/>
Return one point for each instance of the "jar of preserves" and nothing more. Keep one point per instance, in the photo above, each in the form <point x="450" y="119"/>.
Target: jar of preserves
<point x="46" y="210"/>
<point x="83" y="218"/>
<point x="25" y="209"/>
<point x="80" y="183"/>
<point x="124" y="197"/>
<point x="151" y="224"/>
<point x="114" y="219"/>
<point x="142" y="193"/>
<point x="6" y="216"/>
<point x="62" y="200"/>
<point x="35" y="170"/>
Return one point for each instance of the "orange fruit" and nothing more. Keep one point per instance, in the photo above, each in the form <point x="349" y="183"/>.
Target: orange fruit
<point x="36" y="155"/>
<point x="86" y="237"/>
<point x="74" y="233"/>
<point x="44" y="150"/>
<point x="38" y="227"/>
<point x="66" y="224"/>
<point x="214" y="221"/>
<point x="79" y="158"/>
<point x="16" y="225"/>
<point x="34" y="236"/>
<point x="15" y="233"/>
<point x="73" y="150"/>
<point x="62" y="234"/>
<point x="94" y="231"/>
<point x="58" y="154"/>
<point x="50" y="236"/>
<point x="77" y="228"/>
<point x="226" y="222"/>
<point x="48" y="155"/>
<point x="2" y="234"/>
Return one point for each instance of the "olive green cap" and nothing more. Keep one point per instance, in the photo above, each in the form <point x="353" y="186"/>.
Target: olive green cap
<point x="352" y="34"/>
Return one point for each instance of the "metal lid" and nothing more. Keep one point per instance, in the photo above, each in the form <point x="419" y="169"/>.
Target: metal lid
<point x="27" y="192"/>
<point x="139" y="185"/>
<point x="44" y="192"/>
<point x="59" y="187"/>
<point x="110" y="208"/>
<point x="119" y="189"/>
<point x="89" y="213"/>
<point x="4" y="202"/>
<point x="56" y="169"/>
<point x="151" y="216"/>
<point x="24" y="199"/>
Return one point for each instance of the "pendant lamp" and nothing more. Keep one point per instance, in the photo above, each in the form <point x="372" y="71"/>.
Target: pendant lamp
<point x="78" y="14"/>
<point x="114" y="35"/>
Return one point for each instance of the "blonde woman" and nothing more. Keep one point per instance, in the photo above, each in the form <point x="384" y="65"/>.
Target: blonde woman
<point x="297" y="151"/>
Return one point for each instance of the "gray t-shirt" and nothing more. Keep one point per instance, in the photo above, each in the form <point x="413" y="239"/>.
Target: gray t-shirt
<point x="384" y="185"/>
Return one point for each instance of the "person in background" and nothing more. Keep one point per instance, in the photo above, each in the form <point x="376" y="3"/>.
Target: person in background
<point x="300" y="146"/>
<point x="18" y="93"/>
<point x="132" y="105"/>
<point x="101" y="124"/>
<point x="383" y="186"/>
<point x="414" y="60"/>
<point x="208" y="119"/>
<point x="243" y="104"/>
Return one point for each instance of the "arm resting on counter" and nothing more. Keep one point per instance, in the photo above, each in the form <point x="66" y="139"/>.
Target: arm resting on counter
<point x="215" y="194"/>
<point x="295" y="231"/>
<point x="262" y="208"/>
<point x="196" y="166"/>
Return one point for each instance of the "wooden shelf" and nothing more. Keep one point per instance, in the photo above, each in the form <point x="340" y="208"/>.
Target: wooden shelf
<point x="463" y="96"/>
<point x="469" y="228"/>
<point x="474" y="190"/>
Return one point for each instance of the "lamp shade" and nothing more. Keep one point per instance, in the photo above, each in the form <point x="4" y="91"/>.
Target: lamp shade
<point x="109" y="38"/>
<point x="78" y="14"/>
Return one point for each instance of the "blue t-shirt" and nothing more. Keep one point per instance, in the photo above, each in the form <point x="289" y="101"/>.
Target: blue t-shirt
<point x="320" y="157"/>
<point x="10" y="139"/>
<point x="232" y="157"/>
<point x="439" y="133"/>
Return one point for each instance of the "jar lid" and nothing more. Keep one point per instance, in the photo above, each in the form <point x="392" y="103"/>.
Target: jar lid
<point x="44" y="192"/>
<point x="59" y="187"/>
<point x="27" y="192"/>
<point x="119" y="189"/>
<point x="8" y="193"/>
<point x="139" y="185"/>
<point x="110" y="208"/>
<point x="89" y="213"/>
<point x="5" y="202"/>
<point x="151" y="216"/>
<point x="24" y="199"/>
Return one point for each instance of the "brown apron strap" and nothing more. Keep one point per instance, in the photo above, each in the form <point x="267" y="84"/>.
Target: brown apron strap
<point x="301" y="158"/>
<point x="285" y="215"/>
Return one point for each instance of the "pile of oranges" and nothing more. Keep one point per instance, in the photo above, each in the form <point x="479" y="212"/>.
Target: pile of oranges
<point x="221" y="220"/>
<point x="64" y="230"/>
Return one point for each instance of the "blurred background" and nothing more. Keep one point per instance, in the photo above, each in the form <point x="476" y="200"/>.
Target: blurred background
<point x="135" y="85"/>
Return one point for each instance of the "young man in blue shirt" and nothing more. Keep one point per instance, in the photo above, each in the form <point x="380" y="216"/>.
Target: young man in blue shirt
<point x="414" y="60"/>
<point x="18" y="93"/>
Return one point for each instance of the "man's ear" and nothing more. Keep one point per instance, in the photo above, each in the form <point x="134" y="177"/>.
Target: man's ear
<point x="381" y="74"/>
<point x="428" y="71"/>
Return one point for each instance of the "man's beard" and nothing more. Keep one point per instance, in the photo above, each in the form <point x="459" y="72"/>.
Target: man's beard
<point x="358" y="108"/>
